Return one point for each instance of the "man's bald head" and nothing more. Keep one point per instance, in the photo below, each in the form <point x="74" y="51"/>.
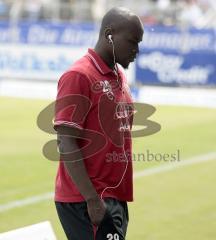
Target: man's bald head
<point x="119" y="19"/>
<point x="126" y="32"/>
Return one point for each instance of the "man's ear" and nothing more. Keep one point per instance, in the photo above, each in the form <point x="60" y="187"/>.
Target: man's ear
<point x="107" y="32"/>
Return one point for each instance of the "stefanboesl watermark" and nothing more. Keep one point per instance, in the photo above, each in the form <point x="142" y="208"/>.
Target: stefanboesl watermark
<point x="147" y="156"/>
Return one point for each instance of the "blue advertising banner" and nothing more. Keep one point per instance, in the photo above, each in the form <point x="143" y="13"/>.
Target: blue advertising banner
<point x="170" y="56"/>
<point x="42" y="51"/>
<point x="72" y="34"/>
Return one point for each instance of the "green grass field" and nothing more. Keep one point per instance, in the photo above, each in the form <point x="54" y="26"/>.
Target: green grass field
<point x="173" y="205"/>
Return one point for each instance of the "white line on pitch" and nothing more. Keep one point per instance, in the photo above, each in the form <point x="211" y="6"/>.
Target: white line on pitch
<point x="26" y="201"/>
<point x="147" y="172"/>
<point x="171" y="166"/>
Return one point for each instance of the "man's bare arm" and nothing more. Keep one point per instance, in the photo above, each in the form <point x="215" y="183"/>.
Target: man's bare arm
<point x="73" y="161"/>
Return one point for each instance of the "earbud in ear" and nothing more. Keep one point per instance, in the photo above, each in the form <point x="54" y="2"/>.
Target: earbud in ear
<point x="110" y="38"/>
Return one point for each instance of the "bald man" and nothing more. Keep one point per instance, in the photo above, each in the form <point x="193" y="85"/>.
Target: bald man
<point x="93" y="120"/>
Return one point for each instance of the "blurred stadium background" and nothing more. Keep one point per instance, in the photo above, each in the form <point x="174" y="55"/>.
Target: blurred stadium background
<point x="175" y="71"/>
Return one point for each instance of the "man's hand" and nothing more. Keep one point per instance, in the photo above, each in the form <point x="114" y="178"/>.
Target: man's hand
<point x="96" y="210"/>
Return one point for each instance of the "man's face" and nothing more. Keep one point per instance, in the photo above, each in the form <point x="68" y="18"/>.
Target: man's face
<point x="126" y="45"/>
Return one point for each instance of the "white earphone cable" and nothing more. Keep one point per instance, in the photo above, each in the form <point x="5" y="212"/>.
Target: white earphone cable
<point x="125" y="170"/>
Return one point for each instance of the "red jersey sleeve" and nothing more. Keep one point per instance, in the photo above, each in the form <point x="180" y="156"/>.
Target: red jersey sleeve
<point x="73" y="100"/>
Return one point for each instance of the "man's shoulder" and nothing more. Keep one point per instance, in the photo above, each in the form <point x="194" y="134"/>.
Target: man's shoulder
<point x="82" y="70"/>
<point x="83" y="66"/>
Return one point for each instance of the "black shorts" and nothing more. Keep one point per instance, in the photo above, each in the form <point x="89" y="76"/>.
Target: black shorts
<point x="77" y="225"/>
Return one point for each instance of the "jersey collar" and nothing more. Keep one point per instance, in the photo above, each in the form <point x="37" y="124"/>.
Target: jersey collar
<point x="98" y="62"/>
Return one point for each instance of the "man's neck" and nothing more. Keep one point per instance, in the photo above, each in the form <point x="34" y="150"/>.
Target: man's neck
<point x="104" y="55"/>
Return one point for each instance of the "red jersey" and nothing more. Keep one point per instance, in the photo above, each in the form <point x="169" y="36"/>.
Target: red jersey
<point x="100" y="104"/>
